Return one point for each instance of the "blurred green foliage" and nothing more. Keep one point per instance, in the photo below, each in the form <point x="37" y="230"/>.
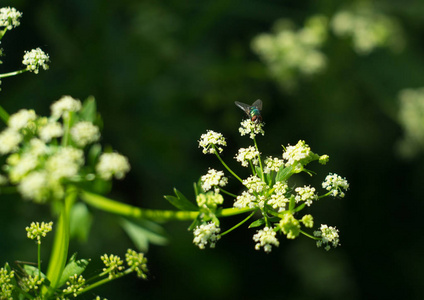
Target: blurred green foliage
<point x="163" y="72"/>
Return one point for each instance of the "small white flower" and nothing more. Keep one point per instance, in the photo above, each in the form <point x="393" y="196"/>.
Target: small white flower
<point x="245" y="200"/>
<point x="65" y="105"/>
<point x="254" y="184"/>
<point x="112" y="164"/>
<point x="35" y="59"/>
<point x="65" y="163"/>
<point x="329" y="237"/>
<point x="34" y="186"/>
<point x="206" y="233"/>
<point x="306" y="194"/>
<point x="21" y="119"/>
<point x="293" y="154"/>
<point x="50" y="130"/>
<point x="335" y="184"/>
<point x="9" y="17"/>
<point x="9" y="140"/>
<point x="266" y="238"/>
<point x="211" y="140"/>
<point x="84" y="133"/>
<point x="272" y="164"/>
<point x="248" y="154"/>
<point x="27" y="163"/>
<point x="248" y="127"/>
<point x="278" y="198"/>
<point x="213" y="179"/>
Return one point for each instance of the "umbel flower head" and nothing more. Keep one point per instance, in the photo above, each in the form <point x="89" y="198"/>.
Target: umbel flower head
<point x="9" y="17"/>
<point x="36" y="59"/>
<point x="42" y="157"/>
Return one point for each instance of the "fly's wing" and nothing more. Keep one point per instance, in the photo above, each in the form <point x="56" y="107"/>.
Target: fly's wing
<point x="258" y="104"/>
<point x="243" y="106"/>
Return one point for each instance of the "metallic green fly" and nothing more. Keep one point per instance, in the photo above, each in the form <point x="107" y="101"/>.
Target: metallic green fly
<point x="253" y="111"/>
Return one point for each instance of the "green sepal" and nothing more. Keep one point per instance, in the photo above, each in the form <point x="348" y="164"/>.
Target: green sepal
<point x="284" y="173"/>
<point x="144" y="232"/>
<point x="181" y="202"/>
<point x="73" y="267"/>
<point x="257" y="223"/>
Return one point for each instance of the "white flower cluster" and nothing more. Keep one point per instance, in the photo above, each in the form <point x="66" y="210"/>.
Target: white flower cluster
<point x="210" y="141"/>
<point x="288" y="53"/>
<point x="248" y="127"/>
<point x="294" y="154"/>
<point x="112" y="164"/>
<point x="368" y="29"/>
<point x="206" y="233"/>
<point x="9" y="17"/>
<point x="35" y="59"/>
<point x="254" y="184"/>
<point x="246" y="155"/>
<point x="306" y="194"/>
<point x="272" y="164"/>
<point x="266" y="238"/>
<point x="278" y="198"/>
<point x="329" y="236"/>
<point x="41" y="169"/>
<point x="213" y="179"/>
<point x="335" y="184"/>
<point x="84" y="133"/>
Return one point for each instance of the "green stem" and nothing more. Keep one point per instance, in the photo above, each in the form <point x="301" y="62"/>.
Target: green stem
<point x="126" y="210"/>
<point x="61" y="243"/>
<point x="39" y="257"/>
<point x="259" y="156"/>
<point x="308" y="235"/>
<point x="228" y="193"/>
<point x="13" y="73"/>
<point x="239" y="224"/>
<point x="228" y="168"/>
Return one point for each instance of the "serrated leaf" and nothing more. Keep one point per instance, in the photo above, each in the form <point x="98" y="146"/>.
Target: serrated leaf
<point x="257" y="223"/>
<point x="284" y="173"/>
<point x="143" y="232"/>
<point x="81" y="220"/>
<point x="73" y="267"/>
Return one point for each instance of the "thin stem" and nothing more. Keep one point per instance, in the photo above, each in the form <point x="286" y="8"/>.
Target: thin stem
<point x="239" y="224"/>
<point x="39" y="257"/>
<point x="13" y="73"/>
<point x="126" y="210"/>
<point x="308" y="235"/>
<point x="228" y="168"/>
<point x="228" y="193"/>
<point x="259" y="156"/>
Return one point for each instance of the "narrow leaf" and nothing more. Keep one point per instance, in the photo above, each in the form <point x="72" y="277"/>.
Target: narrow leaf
<point x="81" y="220"/>
<point x="284" y="173"/>
<point x="88" y="111"/>
<point x="73" y="267"/>
<point x="257" y="223"/>
<point x="181" y="202"/>
<point x="143" y="232"/>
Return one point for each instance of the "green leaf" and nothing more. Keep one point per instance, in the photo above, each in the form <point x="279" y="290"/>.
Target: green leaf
<point x="258" y="171"/>
<point x="33" y="270"/>
<point x="181" y="202"/>
<point x="81" y="220"/>
<point x="196" y="222"/>
<point x="88" y="111"/>
<point x="73" y="267"/>
<point x="300" y="207"/>
<point x="143" y="232"/>
<point x="94" y="154"/>
<point x="284" y="173"/>
<point x="292" y="203"/>
<point x="257" y="223"/>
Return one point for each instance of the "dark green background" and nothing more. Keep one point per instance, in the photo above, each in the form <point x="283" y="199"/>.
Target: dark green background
<point x="163" y="72"/>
